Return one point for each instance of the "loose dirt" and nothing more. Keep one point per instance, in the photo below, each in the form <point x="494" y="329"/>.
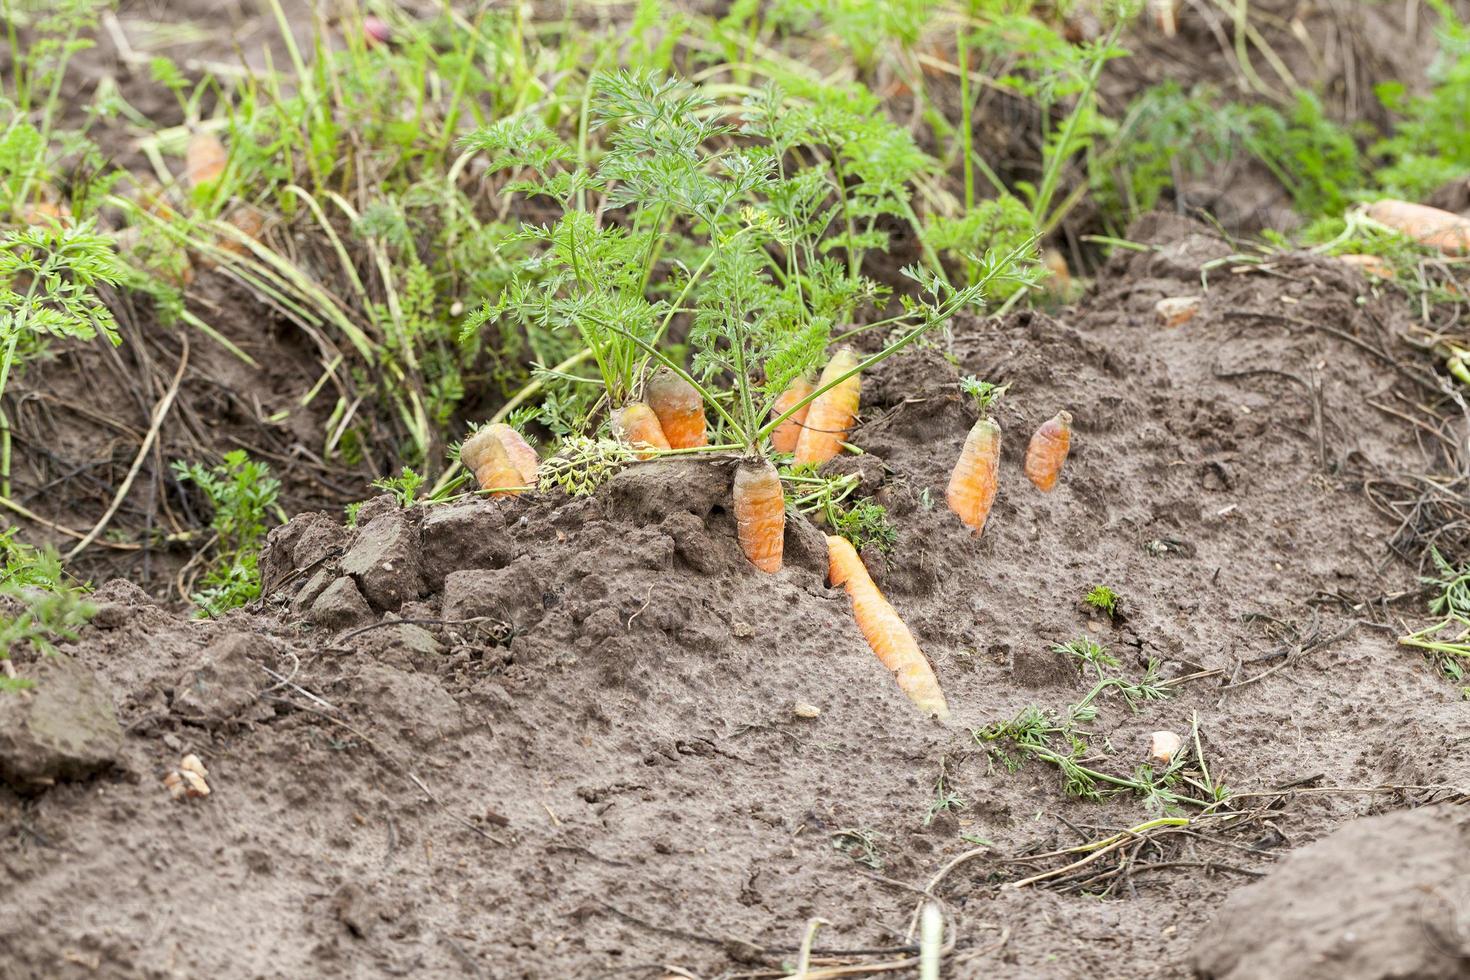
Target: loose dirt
<point x="549" y="737"/>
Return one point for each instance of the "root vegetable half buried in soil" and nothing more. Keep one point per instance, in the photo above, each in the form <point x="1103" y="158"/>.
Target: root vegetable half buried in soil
<point x="522" y="456"/>
<point x="1048" y="451"/>
<point x="1443" y="230"/>
<point x="760" y="514"/>
<point x="636" y="425"/>
<point x="975" y="478"/>
<point x="885" y="632"/>
<point x="830" y="416"/>
<point x="679" y="408"/>
<point x="486" y="456"/>
<point x="786" y="435"/>
<point x="204" y="159"/>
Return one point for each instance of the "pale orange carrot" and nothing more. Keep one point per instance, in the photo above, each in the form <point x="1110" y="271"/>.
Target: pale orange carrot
<point x="204" y="159"/>
<point x="760" y="514"/>
<point x="1370" y="264"/>
<point x="1048" y="451"/>
<point x="636" y="425"/>
<point x="1056" y="264"/>
<point x="831" y="414"/>
<point x="522" y="456"/>
<point x="785" y="435"/>
<point x="484" y="455"/>
<point x="885" y="632"/>
<point x="45" y="214"/>
<point x="1443" y="230"/>
<point x="679" y="408"/>
<point x="974" y="479"/>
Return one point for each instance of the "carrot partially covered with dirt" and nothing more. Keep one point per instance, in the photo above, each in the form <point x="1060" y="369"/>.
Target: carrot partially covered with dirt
<point x="522" y="456"/>
<point x="679" y="408"/>
<point x="760" y="514"/>
<point x="786" y="435"/>
<point x="831" y="414"/>
<point x="484" y="455"/>
<point x="975" y="477"/>
<point x="204" y="159"/>
<point x="636" y="425"/>
<point x="1048" y="451"/>
<point x="1444" y="230"/>
<point x="885" y="632"/>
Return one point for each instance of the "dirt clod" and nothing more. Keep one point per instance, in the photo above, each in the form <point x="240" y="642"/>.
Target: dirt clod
<point x="224" y="680"/>
<point x="1385" y="896"/>
<point x="385" y="562"/>
<point x="340" y="605"/>
<point x="64" y="727"/>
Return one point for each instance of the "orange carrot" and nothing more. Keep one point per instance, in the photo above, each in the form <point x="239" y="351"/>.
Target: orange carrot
<point x="885" y="632"/>
<point x="973" y="481"/>
<point x="1369" y="264"/>
<point x="785" y="435"/>
<point x="636" y="425"/>
<point x="1056" y="264"/>
<point x="760" y="514"/>
<point x="522" y="456"/>
<point x="1443" y="230"/>
<point x="204" y="159"/>
<point x="679" y="408"/>
<point x="831" y="415"/>
<point x="485" y="456"/>
<point x="1048" y="451"/>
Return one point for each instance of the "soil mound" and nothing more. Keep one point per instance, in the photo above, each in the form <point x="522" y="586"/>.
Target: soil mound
<point x="1386" y="896"/>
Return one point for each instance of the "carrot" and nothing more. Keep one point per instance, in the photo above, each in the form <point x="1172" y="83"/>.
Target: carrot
<point x="485" y="456"/>
<point x="1369" y="264"/>
<point x="636" y="425"/>
<point x="204" y="159"/>
<point x="830" y="416"/>
<point x="1048" y="451"/>
<point x="973" y="482"/>
<point x="679" y="408"/>
<point x="885" y="632"/>
<point x="1443" y="230"/>
<point x="760" y="514"/>
<point x="1056" y="264"/>
<point x="785" y="435"/>
<point x="522" y="456"/>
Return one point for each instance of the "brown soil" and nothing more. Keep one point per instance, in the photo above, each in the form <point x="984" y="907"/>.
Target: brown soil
<point x="549" y="737"/>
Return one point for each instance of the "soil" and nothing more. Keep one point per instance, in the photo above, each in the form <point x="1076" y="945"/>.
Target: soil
<point x="555" y="737"/>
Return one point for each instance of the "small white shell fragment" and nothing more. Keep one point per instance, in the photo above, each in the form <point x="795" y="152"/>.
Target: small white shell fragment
<point x="196" y="784"/>
<point x="175" y="784"/>
<point x="803" y="710"/>
<point x="1175" y="311"/>
<point x="191" y="763"/>
<point x="1163" y="746"/>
